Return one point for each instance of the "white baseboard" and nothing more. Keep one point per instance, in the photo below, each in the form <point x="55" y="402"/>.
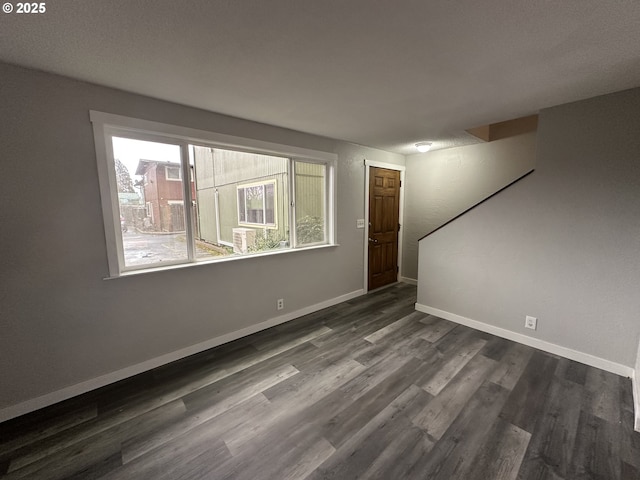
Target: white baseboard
<point x="410" y="281"/>
<point x="581" y="357"/>
<point x="91" y="384"/>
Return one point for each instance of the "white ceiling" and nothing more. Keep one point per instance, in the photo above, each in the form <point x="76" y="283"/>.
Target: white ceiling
<point x="381" y="73"/>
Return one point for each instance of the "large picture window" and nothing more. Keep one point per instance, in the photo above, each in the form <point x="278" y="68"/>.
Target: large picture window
<point x="243" y="197"/>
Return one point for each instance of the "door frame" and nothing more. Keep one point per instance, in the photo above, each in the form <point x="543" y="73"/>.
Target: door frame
<point x="367" y="168"/>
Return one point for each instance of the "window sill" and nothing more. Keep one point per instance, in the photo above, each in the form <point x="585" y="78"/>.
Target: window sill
<point x="178" y="266"/>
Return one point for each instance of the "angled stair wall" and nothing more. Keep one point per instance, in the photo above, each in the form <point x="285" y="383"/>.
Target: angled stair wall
<point x="442" y="184"/>
<point x="560" y="245"/>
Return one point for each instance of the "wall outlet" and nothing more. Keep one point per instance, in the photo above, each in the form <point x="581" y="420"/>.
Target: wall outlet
<point x="280" y="303"/>
<point x="530" y="322"/>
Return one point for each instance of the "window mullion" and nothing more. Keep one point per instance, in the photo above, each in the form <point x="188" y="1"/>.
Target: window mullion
<point x="327" y="205"/>
<point x="292" y="203"/>
<point x="185" y="166"/>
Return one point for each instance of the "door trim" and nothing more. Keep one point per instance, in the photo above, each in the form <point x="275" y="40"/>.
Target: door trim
<point x="389" y="166"/>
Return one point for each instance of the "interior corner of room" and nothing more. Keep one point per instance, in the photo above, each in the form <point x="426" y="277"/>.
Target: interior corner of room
<point x="531" y="218"/>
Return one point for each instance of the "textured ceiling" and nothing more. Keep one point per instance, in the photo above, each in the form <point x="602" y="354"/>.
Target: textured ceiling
<point x="384" y="73"/>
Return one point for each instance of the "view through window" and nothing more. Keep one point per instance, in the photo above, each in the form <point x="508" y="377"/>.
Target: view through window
<point x="235" y="203"/>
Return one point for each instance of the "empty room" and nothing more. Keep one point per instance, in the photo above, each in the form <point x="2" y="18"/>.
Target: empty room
<point x="303" y="239"/>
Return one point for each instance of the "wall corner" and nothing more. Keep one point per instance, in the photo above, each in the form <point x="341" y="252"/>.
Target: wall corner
<point x="635" y="380"/>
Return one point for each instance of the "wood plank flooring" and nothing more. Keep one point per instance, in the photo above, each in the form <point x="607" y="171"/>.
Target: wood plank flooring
<point x="365" y="389"/>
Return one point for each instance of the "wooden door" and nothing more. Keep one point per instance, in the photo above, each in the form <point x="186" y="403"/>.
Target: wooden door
<point x="384" y="212"/>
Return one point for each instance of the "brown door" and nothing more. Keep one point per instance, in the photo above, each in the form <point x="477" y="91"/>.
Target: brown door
<point x="384" y="212"/>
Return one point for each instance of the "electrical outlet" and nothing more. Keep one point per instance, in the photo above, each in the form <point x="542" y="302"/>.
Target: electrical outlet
<point x="530" y="322"/>
<point x="280" y="303"/>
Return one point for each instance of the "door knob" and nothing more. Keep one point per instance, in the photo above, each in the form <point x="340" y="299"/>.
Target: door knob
<point x="373" y="240"/>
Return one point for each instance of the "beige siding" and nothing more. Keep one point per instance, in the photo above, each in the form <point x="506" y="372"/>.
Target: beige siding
<point x="310" y="184"/>
<point x="223" y="171"/>
<point x="239" y="167"/>
<point x="207" y="215"/>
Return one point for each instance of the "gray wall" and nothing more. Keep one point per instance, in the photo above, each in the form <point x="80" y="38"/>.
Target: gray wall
<point x="561" y="245"/>
<point x="444" y="183"/>
<point x="61" y="323"/>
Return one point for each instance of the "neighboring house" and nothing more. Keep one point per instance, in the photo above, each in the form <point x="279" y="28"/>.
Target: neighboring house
<point x="243" y="196"/>
<point x="163" y="194"/>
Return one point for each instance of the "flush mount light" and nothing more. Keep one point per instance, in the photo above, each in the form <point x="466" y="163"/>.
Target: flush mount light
<point x="423" y="146"/>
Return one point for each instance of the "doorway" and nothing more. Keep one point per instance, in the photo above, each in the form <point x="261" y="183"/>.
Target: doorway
<point x="384" y="201"/>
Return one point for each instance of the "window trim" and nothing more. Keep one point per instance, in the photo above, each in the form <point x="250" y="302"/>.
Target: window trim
<point x="106" y="125"/>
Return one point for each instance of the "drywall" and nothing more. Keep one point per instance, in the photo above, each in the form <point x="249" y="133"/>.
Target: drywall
<point x="561" y="244"/>
<point x="61" y="323"/>
<point x="445" y="183"/>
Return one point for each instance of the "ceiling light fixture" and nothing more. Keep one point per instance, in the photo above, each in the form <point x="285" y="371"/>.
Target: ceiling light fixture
<point x="423" y="146"/>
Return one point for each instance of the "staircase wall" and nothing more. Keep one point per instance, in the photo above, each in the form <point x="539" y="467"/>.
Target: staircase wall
<point x="561" y="245"/>
<point x="444" y="183"/>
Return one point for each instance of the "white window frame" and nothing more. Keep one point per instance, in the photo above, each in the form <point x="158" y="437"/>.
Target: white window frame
<point x="166" y="173"/>
<point x="262" y="184"/>
<point x="106" y="125"/>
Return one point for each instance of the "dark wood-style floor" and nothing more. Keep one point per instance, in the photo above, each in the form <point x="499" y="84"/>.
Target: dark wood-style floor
<point x="365" y="389"/>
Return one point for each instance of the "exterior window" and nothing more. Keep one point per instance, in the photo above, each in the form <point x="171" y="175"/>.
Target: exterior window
<point x="257" y="204"/>
<point x="173" y="173"/>
<point x="253" y="198"/>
